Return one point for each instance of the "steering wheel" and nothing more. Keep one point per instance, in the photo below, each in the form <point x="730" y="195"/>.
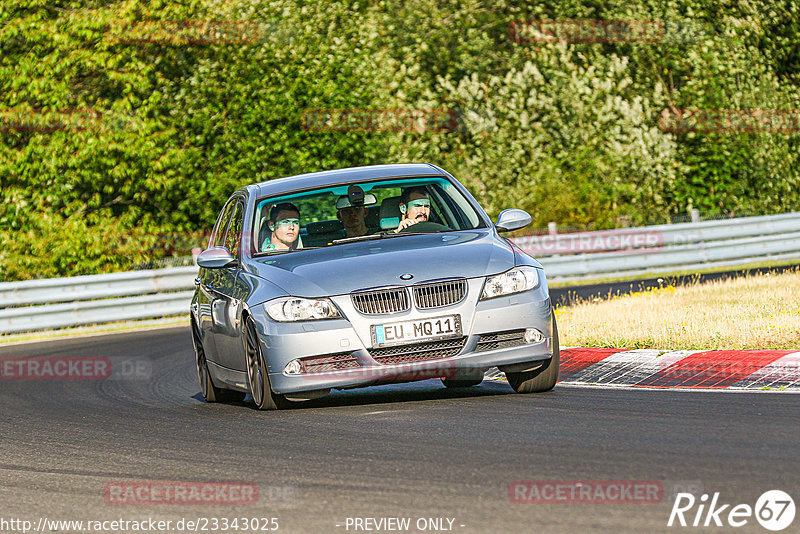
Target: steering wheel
<point x="425" y="226"/>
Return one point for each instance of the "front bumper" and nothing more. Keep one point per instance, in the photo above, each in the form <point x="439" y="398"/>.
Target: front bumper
<point x="283" y="342"/>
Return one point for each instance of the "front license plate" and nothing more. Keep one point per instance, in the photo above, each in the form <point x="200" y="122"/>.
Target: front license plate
<point x="417" y="330"/>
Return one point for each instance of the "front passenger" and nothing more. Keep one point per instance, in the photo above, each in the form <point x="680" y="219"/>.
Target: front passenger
<point x="284" y="226"/>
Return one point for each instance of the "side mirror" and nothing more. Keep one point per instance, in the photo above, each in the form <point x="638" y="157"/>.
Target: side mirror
<point x="509" y="220"/>
<point x="215" y="258"/>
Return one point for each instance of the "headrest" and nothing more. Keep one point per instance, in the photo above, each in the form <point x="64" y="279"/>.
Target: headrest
<point x="390" y="213"/>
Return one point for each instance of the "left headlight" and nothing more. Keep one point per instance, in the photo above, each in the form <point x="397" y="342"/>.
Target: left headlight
<point x="516" y="280"/>
<point x="286" y="309"/>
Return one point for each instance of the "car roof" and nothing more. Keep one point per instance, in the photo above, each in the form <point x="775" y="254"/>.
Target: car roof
<point x="338" y="176"/>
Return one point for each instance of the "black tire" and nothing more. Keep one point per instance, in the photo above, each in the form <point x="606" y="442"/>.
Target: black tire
<point x="542" y="379"/>
<point x="210" y="392"/>
<point x="257" y="372"/>
<point x="450" y="384"/>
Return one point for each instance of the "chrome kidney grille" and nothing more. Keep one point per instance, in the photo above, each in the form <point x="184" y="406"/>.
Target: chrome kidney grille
<point x="395" y="299"/>
<point x="440" y="293"/>
<point x="381" y="301"/>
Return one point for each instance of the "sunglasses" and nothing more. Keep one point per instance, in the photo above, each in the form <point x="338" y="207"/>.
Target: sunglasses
<point x="419" y="203"/>
<point x="283" y="223"/>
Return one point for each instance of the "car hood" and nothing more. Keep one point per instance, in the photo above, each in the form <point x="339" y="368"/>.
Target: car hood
<point x="340" y="269"/>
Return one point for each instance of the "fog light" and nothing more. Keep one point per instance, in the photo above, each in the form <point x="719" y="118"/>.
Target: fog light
<point x="293" y="368"/>
<point x="533" y="336"/>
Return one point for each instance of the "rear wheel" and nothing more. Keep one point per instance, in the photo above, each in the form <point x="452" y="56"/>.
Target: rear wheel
<point x="542" y="379"/>
<point x="210" y="392"/>
<point x="257" y="372"/>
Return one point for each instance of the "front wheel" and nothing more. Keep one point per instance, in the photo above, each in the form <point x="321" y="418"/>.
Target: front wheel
<point x="542" y="379"/>
<point x="210" y="392"/>
<point x="257" y="373"/>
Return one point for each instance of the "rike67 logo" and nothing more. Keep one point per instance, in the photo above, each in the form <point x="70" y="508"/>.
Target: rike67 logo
<point x="774" y="510"/>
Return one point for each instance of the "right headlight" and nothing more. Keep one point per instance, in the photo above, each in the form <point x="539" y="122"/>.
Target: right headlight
<point x="287" y="309"/>
<point x="516" y="280"/>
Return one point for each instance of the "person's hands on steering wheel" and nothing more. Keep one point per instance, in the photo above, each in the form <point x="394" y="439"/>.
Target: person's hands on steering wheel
<point x="424" y="226"/>
<point x="406" y="223"/>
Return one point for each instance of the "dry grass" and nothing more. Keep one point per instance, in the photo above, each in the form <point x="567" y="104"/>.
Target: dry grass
<point x="753" y="312"/>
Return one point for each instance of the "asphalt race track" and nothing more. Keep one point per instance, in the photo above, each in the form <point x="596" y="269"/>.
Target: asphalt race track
<point x="413" y="450"/>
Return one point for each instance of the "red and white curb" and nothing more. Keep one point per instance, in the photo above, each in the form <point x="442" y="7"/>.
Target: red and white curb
<point x="693" y="369"/>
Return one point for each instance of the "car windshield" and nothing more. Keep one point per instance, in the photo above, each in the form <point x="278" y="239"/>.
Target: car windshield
<point x="341" y="214"/>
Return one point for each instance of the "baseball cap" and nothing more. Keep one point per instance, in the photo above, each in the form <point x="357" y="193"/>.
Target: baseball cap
<point x="344" y="201"/>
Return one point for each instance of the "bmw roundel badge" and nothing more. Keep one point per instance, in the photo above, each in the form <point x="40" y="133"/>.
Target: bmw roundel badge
<point x="407" y="276"/>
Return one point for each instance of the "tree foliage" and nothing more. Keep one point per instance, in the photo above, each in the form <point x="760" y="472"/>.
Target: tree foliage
<point x="126" y="124"/>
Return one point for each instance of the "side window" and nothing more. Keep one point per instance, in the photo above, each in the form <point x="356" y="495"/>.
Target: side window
<point x="234" y="236"/>
<point x="218" y="237"/>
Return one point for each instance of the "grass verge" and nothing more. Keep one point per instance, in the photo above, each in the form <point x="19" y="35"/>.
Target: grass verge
<point x="748" y="312"/>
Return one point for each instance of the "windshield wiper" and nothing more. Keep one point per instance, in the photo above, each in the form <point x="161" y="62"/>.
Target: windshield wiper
<point x="368" y="237"/>
<point x="382" y="235"/>
<point x="264" y="253"/>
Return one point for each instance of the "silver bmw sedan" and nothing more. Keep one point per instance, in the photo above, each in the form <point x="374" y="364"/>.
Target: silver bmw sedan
<point x="366" y="276"/>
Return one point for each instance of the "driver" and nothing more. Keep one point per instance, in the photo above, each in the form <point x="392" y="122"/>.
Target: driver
<point x="415" y="207"/>
<point x="284" y="226"/>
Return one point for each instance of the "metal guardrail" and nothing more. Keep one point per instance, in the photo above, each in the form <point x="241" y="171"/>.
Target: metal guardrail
<point x="95" y="286"/>
<point x="659" y="235"/>
<point x="62" y="302"/>
<point x="666" y="259"/>
<point x="79" y="300"/>
<point x="28" y="319"/>
<point x="649" y="250"/>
